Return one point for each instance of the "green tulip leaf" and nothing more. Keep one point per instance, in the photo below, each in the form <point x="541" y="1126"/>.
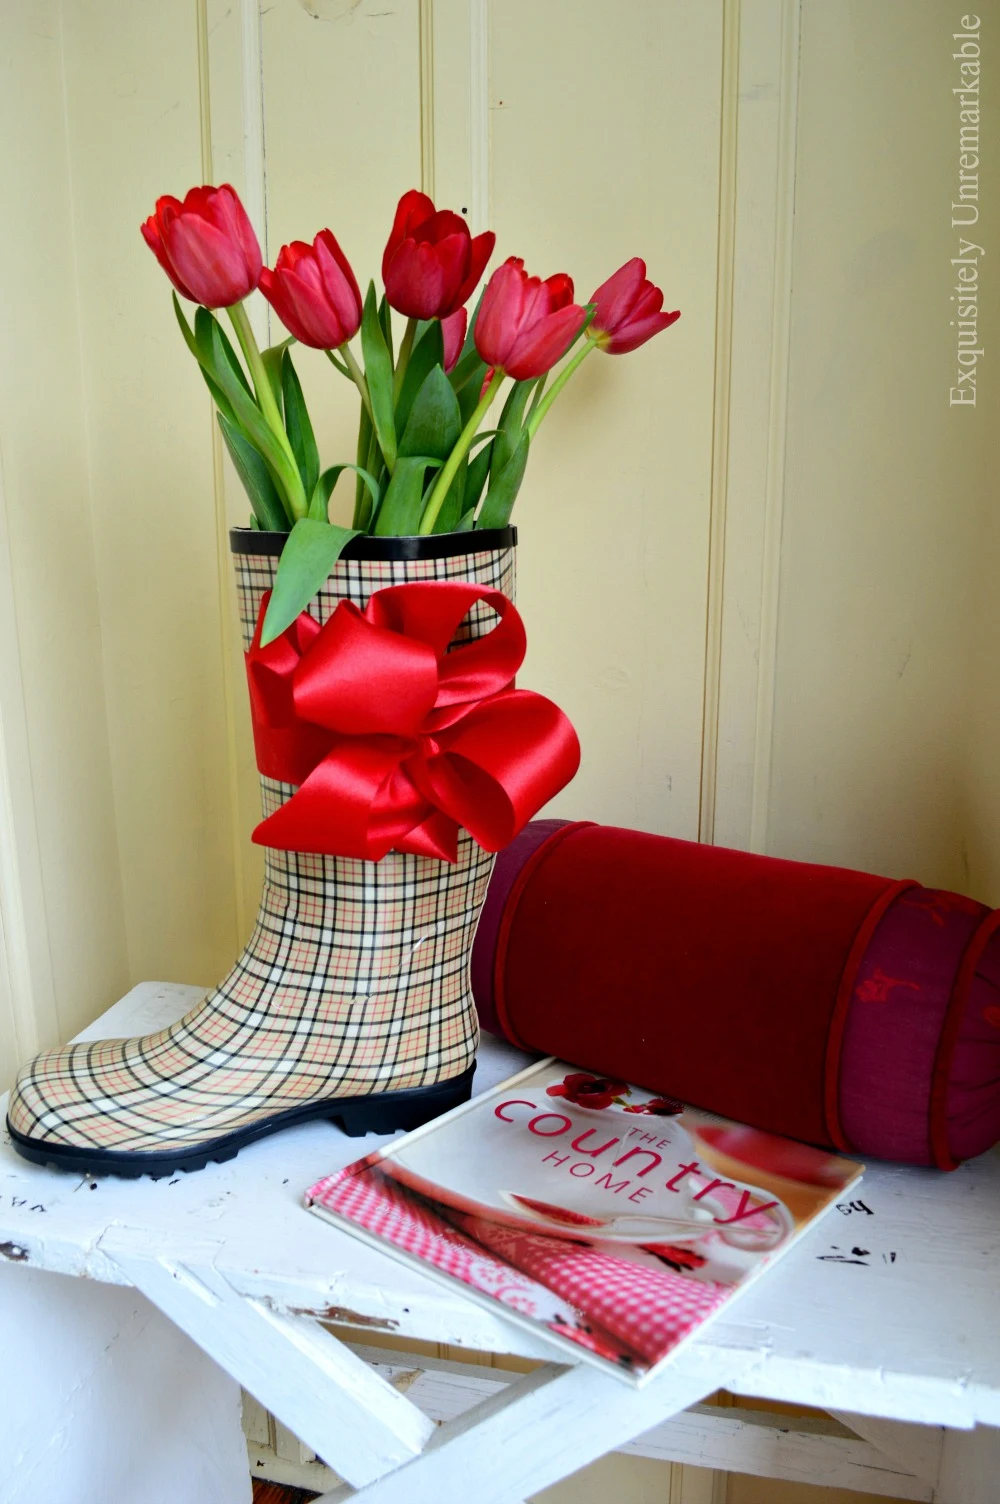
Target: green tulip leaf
<point x="272" y="359"/>
<point x="454" y="503"/>
<point x="308" y="556"/>
<point x="218" y="396"/>
<point x="435" y="421"/>
<point x="366" y="445"/>
<point x="466" y="522"/>
<point x="511" y="424"/>
<point x="504" y="486"/>
<point x="468" y="397"/>
<point x="376" y="467"/>
<point x="468" y="373"/>
<point x="470" y="328"/>
<point x="251" y="421"/>
<point x="323" y="490"/>
<point x="215" y="351"/>
<point x="403" y="502"/>
<point x="268" y="512"/>
<point x="378" y="373"/>
<point x="298" y="426"/>
<point x="479" y="469"/>
<point x="385" y="320"/>
<point x="428" y="352"/>
<point x="186" y="329"/>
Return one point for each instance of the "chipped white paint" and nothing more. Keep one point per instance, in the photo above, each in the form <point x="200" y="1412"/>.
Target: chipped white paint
<point x="886" y="1311"/>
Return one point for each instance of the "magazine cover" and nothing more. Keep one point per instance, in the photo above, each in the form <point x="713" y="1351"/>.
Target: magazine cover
<point x="616" y="1220"/>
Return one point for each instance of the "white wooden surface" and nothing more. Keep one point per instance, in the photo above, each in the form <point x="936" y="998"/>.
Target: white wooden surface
<point x="886" y="1310"/>
<point x="105" y="1401"/>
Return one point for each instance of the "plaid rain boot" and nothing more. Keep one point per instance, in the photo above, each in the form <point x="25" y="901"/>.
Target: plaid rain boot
<point x="352" y="999"/>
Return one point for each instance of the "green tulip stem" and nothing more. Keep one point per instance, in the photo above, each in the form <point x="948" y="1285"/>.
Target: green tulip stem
<point x="338" y="364"/>
<point x="405" y="347"/>
<point x="262" y="386"/>
<point x="443" y="483"/>
<point x="357" y="375"/>
<point x="564" y="375"/>
<point x="290" y="478"/>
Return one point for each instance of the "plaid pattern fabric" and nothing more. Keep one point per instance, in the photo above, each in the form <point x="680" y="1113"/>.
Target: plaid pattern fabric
<point x="355" y="979"/>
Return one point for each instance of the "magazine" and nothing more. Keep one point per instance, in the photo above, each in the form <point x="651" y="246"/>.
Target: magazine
<point x="614" y="1221"/>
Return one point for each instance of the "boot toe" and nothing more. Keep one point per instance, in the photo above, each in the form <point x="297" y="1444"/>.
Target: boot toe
<point x="58" y="1098"/>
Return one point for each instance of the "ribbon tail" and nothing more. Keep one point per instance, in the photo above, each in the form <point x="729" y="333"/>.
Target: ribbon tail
<point x="436" y="836"/>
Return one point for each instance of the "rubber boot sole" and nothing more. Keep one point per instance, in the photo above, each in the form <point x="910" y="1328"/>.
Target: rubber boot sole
<point x="381" y="1112"/>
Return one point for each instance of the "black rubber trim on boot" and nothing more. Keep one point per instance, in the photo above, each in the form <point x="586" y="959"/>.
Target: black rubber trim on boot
<point x="251" y="540"/>
<point x="382" y="1112"/>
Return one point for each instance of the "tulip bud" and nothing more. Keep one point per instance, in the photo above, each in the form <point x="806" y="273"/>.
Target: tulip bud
<point x="431" y="264"/>
<point x="206" y="245"/>
<point x="313" y="291"/>
<point x="628" y="310"/>
<point x="526" y="325"/>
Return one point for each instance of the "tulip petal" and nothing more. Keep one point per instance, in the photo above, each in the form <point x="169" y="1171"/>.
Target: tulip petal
<point x="453" y="328"/>
<point x="480" y="251"/>
<point x="649" y="301"/>
<point x="314" y="292"/>
<point x="413" y="208"/>
<point x="616" y="297"/>
<point x="208" y="262"/>
<point x="537" y="301"/>
<point x="500" y="313"/>
<point x="440" y="225"/>
<point x="151" y="235"/>
<point x="560" y="290"/>
<point x="537" y="349"/>
<point x="339" y="281"/>
<point x="636" y="333"/>
<point x="222" y="208"/>
<point x="415" y="281"/>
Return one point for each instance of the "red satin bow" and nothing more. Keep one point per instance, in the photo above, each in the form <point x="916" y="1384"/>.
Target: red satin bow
<point x="393" y="740"/>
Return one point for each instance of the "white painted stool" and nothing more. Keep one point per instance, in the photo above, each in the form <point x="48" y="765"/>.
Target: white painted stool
<point x="887" y="1316"/>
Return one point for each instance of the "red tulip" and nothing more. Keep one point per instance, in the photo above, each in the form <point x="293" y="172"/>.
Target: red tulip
<point x="628" y="310"/>
<point x="525" y="325"/>
<point x="431" y="263"/>
<point x="314" y="292"/>
<point x="453" y="333"/>
<point x="206" y="245"/>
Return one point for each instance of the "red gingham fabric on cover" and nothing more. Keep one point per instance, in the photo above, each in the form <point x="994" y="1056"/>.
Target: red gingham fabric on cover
<point x="622" y="1310"/>
<point x="354" y="981"/>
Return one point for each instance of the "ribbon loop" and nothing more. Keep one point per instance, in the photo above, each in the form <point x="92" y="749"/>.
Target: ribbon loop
<point x="394" y="737"/>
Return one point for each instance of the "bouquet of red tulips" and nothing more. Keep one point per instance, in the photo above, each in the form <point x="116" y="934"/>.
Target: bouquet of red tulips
<point x="424" y="462"/>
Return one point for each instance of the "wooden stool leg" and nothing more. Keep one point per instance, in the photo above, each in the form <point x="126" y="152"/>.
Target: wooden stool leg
<point x="970" y="1467"/>
<point x="537" y="1431"/>
<point x="104" y="1399"/>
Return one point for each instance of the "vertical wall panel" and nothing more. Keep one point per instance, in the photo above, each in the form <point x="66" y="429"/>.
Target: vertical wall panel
<point x="885" y="483"/>
<point x="605" y="145"/>
<point x="135" y="132"/>
<point x="62" y="798"/>
<point x="976" y="483"/>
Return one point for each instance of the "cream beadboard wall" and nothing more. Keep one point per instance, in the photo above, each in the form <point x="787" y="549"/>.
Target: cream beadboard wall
<point x="758" y="557"/>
